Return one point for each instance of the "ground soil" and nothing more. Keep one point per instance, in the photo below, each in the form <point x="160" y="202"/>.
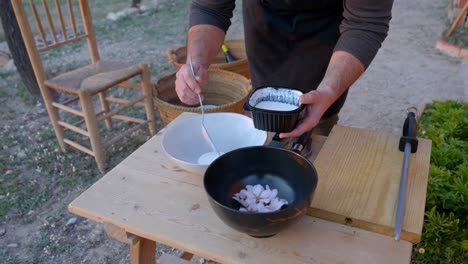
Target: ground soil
<point x="38" y="181"/>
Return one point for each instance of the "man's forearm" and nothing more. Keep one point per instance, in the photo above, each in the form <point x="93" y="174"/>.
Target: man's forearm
<point x="343" y="70"/>
<point x="204" y="43"/>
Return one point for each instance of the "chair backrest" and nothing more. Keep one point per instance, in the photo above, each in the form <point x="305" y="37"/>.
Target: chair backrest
<point x="44" y="17"/>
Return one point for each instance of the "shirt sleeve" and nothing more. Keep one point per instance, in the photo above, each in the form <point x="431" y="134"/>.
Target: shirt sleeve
<point x="212" y="12"/>
<point x="364" y="27"/>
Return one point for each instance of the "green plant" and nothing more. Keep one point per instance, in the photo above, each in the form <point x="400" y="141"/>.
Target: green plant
<point x="24" y="95"/>
<point x="459" y="38"/>
<point x="445" y="231"/>
<point x="4" y="75"/>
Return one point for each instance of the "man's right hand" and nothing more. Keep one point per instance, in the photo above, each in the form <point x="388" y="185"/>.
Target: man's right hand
<point x="187" y="87"/>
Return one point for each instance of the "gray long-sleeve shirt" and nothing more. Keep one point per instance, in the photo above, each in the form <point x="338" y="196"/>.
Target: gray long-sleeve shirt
<point x="289" y="42"/>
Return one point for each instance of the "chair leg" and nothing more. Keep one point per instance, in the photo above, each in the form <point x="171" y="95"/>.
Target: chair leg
<point x="147" y="89"/>
<point x="54" y="117"/>
<point x="93" y="130"/>
<point x="105" y="108"/>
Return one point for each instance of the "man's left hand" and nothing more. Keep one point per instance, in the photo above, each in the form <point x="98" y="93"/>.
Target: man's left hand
<point x="317" y="102"/>
<point x="342" y="71"/>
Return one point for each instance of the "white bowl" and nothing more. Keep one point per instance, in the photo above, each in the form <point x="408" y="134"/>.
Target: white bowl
<point x="184" y="143"/>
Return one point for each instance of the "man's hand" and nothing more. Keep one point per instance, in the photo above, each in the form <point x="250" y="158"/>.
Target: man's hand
<point x="203" y="44"/>
<point x="342" y="71"/>
<point x="317" y="102"/>
<point x="187" y="87"/>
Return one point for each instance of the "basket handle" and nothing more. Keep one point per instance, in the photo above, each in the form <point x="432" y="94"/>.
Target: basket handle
<point x="171" y="56"/>
<point x="165" y="83"/>
<point x="155" y="90"/>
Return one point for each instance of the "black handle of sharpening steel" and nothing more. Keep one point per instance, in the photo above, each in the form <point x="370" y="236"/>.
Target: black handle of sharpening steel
<point x="301" y="142"/>
<point x="410" y="129"/>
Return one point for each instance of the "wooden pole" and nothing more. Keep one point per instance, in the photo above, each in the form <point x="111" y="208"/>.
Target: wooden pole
<point x="457" y="20"/>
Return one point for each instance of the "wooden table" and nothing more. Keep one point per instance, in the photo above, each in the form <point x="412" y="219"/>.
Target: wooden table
<point x="146" y="199"/>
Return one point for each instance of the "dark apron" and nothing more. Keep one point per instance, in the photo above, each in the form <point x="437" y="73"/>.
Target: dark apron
<point x="290" y="43"/>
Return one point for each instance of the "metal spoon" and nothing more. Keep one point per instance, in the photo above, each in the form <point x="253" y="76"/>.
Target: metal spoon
<point x="204" y="130"/>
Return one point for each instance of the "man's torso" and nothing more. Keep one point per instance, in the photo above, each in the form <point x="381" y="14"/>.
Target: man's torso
<point x="290" y="43"/>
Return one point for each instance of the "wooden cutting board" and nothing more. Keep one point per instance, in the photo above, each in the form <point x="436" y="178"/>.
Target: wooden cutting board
<point x="359" y="173"/>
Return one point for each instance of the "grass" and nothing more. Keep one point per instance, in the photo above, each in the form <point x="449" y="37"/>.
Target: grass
<point x="458" y="38"/>
<point x="48" y="170"/>
<point x="24" y="198"/>
<point x="37" y="174"/>
<point x="24" y="95"/>
<point x="4" y="75"/>
<point x="445" y="230"/>
<point x="26" y="193"/>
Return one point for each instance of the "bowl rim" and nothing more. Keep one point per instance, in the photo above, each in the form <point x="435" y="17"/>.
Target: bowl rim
<point x="252" y="108"/>
<point x="196" y="115"/>
<point x="247" y="88"/>
<point x="267" y="213"/>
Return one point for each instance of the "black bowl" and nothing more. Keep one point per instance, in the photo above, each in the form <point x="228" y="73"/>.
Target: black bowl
<point x="292" y="175"/>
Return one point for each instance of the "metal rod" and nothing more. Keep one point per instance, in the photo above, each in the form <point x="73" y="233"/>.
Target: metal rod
<point x="204" y="130"/>
<point x="402" y="193"/>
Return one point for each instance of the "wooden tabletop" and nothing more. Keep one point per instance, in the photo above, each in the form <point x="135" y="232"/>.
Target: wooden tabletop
<point x="359" y="182"/>
<point x="148" y="196"/>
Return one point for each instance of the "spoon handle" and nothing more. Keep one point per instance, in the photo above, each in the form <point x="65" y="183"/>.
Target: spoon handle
<point x="205" y="131"/>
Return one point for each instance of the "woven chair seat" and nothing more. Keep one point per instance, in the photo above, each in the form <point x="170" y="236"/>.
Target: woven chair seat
<point x="93" y="78"/>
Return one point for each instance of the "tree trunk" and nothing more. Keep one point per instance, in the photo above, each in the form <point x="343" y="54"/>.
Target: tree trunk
<point x="136" y="3"/>
<point x="18" y="49"/>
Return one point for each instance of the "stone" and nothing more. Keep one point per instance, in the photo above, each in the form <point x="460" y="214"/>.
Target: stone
<point x="4" y="59"/>
<point x="10" y="66"/>
<point x="149" y="5"/>
<point x="112" y="16"/>
<point x="71" y="221"/>
<point x="96" y="234"/>
<point x="12" y="245"/>
<point x="2" y="231"/>
<point x="464" y="75"/>
<point x="121" y="14"/>
<point x="21" y="154"/>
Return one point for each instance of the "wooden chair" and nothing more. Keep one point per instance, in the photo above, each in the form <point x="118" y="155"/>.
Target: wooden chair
<point x="85" y="82"/>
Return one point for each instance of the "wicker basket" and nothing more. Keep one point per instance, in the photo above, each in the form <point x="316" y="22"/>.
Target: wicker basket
<point x="228" y="91"/>
<point x="237" y="48"/>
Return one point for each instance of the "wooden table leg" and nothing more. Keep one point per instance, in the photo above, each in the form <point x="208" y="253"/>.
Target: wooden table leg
<point x="143" y="251"/>
<point x="185" y="255"/>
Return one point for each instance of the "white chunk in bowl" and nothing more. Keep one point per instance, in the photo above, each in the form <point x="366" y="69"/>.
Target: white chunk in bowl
<point x="183" y="141"/>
